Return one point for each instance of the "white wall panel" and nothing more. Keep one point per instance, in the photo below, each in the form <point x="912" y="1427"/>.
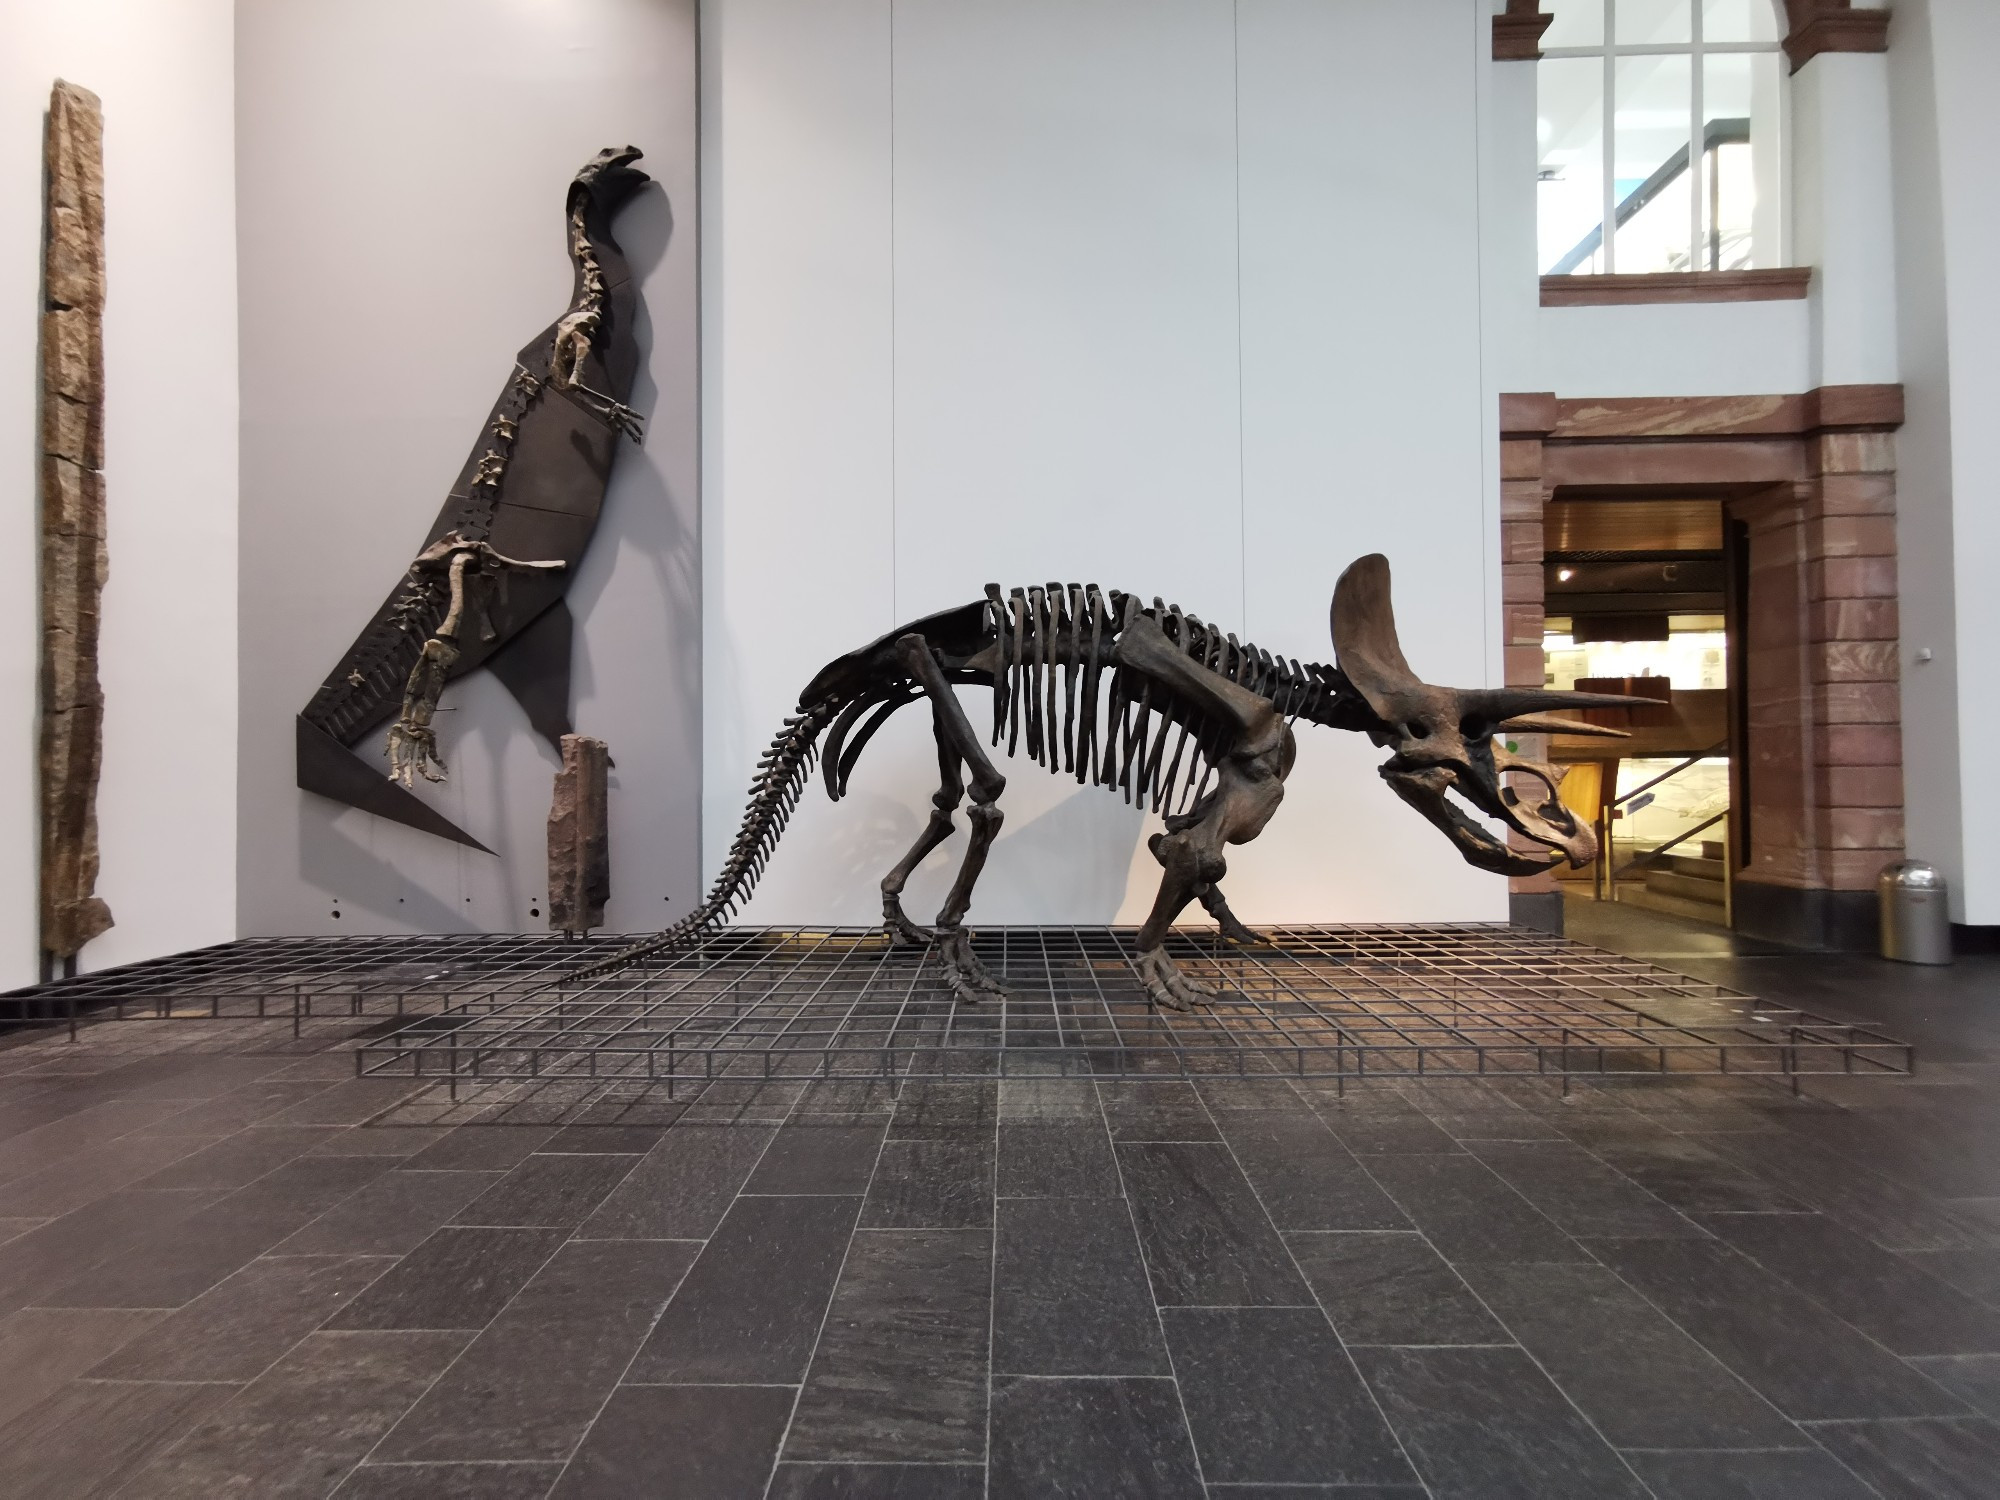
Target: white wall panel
<point x="1066" y="366"/>
<point x="1510" y="296"/>
<point x="166" y="799"/>
<point x="1139" y="294"/>
<point x="798" y="541"/>
<point x="1678" y="349"/>
<point x="1366" y="421"/>
<point x="1066" y="298"/>
<point x="1965" y="38"/>
<point x="1928" y="607"/>
<point x="1845" y="222"/>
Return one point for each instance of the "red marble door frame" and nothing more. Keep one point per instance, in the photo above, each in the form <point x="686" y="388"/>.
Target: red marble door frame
<point x="1812" y="476"/>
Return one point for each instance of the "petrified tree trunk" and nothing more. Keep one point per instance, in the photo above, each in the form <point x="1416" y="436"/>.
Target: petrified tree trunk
<point x="579" y="837"/>
<point x="72" y="503"/>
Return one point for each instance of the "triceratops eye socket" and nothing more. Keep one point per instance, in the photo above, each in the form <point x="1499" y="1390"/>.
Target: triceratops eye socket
<point x="1417" y="729"/>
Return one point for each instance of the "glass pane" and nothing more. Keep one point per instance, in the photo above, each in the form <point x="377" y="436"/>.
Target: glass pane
<point x="1652" y="22"/>
<point x="1650" y="159"/>
<point x="1677" y="807"/>
<point x="1577" y="23"/>
<point x="1739" y="184"/>
<point x="1740" y="21"/>
<point x="1569" y="196"/>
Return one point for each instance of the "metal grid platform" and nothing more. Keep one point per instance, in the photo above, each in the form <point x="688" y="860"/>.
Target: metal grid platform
<point x="1324" y="1002"/>
<point x="304" y="978"/>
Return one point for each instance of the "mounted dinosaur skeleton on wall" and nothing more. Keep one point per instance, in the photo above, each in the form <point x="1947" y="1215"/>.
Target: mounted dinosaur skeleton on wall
<point x="1175" y="715"/>
<point x="532" y="488"/>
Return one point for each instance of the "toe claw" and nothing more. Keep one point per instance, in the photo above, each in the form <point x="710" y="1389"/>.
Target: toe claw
<point x="970" y="980"/>
<point x="1167" y="985"/>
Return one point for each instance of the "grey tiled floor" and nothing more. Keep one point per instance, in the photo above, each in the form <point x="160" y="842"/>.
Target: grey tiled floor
<point x="227" y="1267"/>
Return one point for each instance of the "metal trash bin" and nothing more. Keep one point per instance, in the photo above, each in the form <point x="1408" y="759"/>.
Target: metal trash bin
<point x="1916" y="915"/>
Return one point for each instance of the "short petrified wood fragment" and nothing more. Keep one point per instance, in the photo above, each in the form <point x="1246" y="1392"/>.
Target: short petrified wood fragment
<point x="72" y="505"/>
<point x="579" y="837"/>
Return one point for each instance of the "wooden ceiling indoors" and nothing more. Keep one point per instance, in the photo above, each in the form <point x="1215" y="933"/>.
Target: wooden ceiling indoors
<point x="1644" y="526"/>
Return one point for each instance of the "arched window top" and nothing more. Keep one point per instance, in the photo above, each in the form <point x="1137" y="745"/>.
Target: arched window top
<point x="1668" y="75"/>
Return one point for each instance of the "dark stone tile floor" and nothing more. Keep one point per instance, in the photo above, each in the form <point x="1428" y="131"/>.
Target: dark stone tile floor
<point x="227" y="1267"/>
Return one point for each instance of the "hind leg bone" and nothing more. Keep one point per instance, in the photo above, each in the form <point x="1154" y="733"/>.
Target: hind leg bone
<point x="1232" y="926"/>
<point x="1189" y="859"/>
<point x="1250" y="784"/>
<point x="951" y="791"/>
<point x="958" y="746"/>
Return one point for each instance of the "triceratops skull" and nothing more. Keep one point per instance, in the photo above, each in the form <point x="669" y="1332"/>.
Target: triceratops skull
<point x="1442" y="738"/>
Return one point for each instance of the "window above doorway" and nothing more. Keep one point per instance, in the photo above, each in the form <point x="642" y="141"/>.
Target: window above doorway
<point x="1664" y="120"/>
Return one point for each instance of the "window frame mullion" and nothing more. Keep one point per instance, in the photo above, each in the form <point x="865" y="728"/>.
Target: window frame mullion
<point x="1609" y="221"/>
<point x="1697" y="156"/>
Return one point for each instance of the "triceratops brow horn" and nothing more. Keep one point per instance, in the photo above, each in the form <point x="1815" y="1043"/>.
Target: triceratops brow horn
<point x="1364" y="636"/>
<point x="1365" y="645"/>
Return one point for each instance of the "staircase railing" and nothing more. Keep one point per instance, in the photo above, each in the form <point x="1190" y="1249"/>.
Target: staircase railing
<point x="1728" y="131"/>
<point x="1607" y="871"/>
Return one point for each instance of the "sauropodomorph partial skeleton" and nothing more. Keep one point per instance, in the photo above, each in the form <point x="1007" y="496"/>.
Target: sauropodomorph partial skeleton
<point x="1174" y="714"/>
<point x="531" y="488"/>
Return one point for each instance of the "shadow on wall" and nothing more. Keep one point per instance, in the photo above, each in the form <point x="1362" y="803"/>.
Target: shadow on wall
<point x="642" y="524"/>
<point x="637" y="668"/>
<point x="1076" y="856"/>
<point x="644" y="229"/>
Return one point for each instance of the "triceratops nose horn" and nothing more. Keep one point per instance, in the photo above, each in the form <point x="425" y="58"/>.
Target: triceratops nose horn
<point x="1364" y="636"/>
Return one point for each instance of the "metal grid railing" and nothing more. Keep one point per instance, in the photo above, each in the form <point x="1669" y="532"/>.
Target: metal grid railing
<point x="1335" y="1002"/>
<point x="303" y="978"/>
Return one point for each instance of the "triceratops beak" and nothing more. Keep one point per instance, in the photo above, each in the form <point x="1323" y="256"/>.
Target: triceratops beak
<point x="1442" y="737"/>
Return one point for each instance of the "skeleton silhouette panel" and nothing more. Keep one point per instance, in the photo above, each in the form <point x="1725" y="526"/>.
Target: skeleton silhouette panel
<point x="487" y="587"/>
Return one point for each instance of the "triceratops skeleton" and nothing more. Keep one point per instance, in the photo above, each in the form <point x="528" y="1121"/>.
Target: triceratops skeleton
<point x="1172" y="713"/>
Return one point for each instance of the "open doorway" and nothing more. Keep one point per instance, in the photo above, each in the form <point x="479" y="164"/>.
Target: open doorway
<point x="1640" y="598"/>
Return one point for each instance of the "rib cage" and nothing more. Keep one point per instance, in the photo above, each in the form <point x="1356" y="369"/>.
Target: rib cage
<point x="1099" y="726"/>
